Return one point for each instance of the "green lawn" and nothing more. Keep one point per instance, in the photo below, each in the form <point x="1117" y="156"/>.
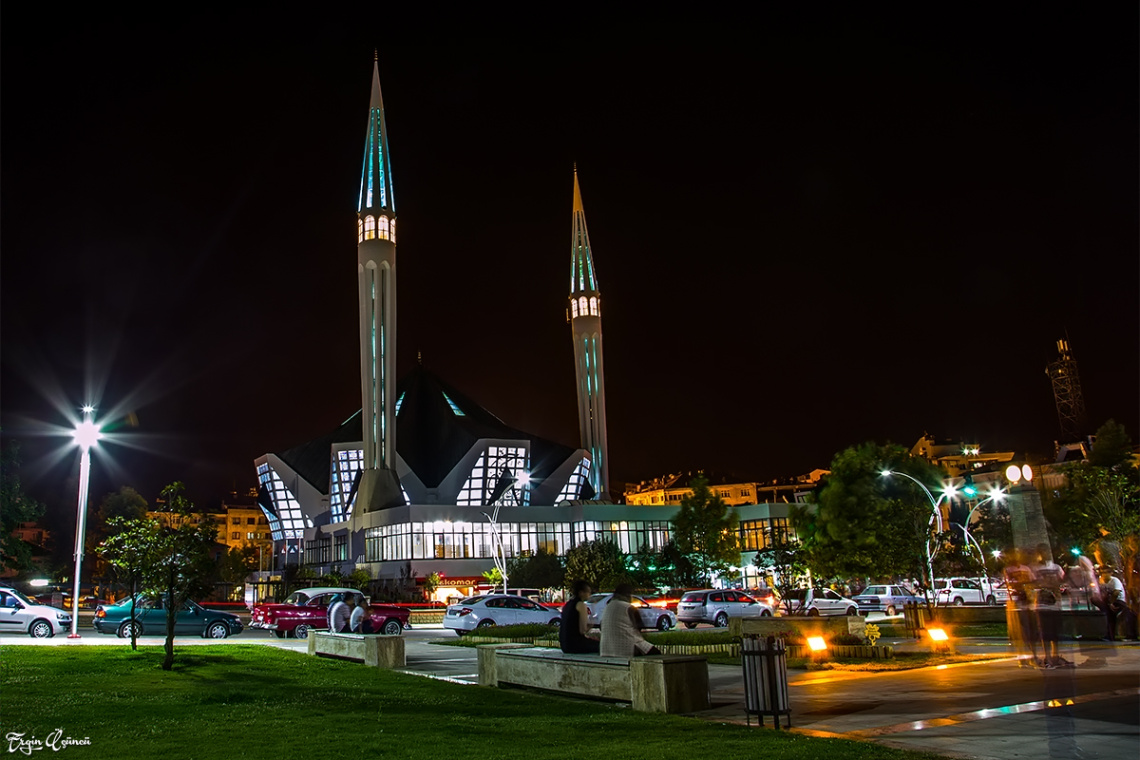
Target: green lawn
<point x="244" y="701"/>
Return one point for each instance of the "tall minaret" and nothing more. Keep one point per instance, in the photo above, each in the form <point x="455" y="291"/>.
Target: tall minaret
<point x="376" y="268"/>
<point x="586" y="322"/>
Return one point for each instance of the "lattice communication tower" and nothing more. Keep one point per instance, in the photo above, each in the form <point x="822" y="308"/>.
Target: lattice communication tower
<point x="1067" y="392"/>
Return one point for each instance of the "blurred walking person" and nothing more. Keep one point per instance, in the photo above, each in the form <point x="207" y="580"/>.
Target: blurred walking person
<point x="1019" y="614"/>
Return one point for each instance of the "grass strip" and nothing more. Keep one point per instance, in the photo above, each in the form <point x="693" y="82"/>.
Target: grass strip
<point x="248" y="701"/>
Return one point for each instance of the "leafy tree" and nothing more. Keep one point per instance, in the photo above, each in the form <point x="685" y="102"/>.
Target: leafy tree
<point x="865" y="524"/>
<point x="238" y="563"/>
<point x="1113" y="447"/>
<point x="705" y="531"/>
<point x="494" y="577"/>
<point x="129" y="550"/>
<point x="646" y="568"/>
<point x="126" y="503"/>
<point x="117" y="508"/>
<point x="676" y="570"/>
<point x="359" y="578"/>
<point x="600" y="563"/>
<point x="784" y="555"/>
<point x="431" y="583"/>
<point x="180" y="567"/>
<point x="539" y="570"/>
<point x="15" y="507"/>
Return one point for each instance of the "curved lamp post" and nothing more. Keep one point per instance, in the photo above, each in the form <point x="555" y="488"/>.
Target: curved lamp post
<point x="500" y="558"/>
<point x="935" y="523"/>
<point x="86" y="435"/>
<point x="997" y="496"/>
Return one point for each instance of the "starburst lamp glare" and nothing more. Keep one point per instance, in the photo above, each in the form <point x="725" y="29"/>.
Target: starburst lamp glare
<point x="86" y="436"/>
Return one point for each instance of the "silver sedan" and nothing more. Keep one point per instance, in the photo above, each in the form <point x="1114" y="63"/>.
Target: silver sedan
<point x="651" y="617"/>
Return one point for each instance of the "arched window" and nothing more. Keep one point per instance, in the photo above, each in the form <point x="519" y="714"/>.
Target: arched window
<point x="369" y="227"/>
<point x="582" y="306"/>
<point x="359" y="230"/>
<point x="593" y="306"/>
<point x="573" y="308"/>
<point x="392" y="230"/>
<point x="382" y="231"/>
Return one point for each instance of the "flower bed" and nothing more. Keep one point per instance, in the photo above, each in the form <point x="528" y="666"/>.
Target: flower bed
<point x="847" y="651"/>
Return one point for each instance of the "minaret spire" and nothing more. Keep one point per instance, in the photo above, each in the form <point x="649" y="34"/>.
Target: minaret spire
<point x="376" y="271"/>
<point x="586" y="323"/>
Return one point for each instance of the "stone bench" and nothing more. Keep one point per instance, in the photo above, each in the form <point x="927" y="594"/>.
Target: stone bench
<point x="372" y="649"/>
<point x="655" y="683"/>
<point x="827" y="626"/>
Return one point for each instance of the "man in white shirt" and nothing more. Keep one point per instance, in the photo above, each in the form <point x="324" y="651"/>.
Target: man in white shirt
<point x="338" y="615"/>
<point x="358" y="618"/>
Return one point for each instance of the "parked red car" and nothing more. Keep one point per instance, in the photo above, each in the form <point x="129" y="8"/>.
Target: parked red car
<point x="307" y="610"/>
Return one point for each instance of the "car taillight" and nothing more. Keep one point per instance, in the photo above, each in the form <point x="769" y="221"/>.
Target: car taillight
<point x="100" y="613"/>
<point x="465" y="611"/>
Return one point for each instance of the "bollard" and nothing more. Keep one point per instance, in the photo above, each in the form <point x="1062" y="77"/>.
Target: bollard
<point x="765" y="666"/>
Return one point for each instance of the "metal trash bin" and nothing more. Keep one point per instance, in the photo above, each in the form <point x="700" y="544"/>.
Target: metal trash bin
<point x="765" y="662"/>
<point x="914" y="618"/>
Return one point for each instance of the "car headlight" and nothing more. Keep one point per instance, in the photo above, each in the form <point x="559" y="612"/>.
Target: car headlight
<point x="63" y="617"/>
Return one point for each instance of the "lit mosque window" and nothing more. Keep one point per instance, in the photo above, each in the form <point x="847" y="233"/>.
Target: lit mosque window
<point x="369" y="227"/>
<point x="582" y="306"/>
<point x="593" y="306"/>
<point x="454" y="407"/>
<point x="359" y="230"/>
<point x="345" y="465"/>
<point x="573" y="488"/>
<point x="382" y="231"/>
<point x="392" y="230"/>
<point x="574" y="307"/>
<point x="288" y="522"/>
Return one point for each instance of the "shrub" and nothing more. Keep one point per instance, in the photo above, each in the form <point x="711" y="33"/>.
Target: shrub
<point x="525" y="631"/>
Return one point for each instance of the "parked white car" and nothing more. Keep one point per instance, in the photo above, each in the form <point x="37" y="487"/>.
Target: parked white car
<point x="19" y="614"/>
<point x="496" y="609"/>
<point x="818" y="601"/>
<point x="716" y="607"/>
<point x="651" y="617"/>
<point x="959" y="591"/>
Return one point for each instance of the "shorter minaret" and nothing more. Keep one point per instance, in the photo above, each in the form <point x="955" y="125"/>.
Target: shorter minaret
<point x="586" y="323"/>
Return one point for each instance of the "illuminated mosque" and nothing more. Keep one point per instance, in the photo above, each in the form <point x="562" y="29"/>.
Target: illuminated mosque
<point x="406" y="487"/>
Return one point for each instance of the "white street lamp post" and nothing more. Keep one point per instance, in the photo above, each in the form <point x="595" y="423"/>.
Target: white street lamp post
<point x="935" y="518"/>
<point x="86" y="434"/>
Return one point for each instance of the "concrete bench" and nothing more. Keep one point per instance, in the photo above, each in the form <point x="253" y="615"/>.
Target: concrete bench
<point x="657" y="683"/>
<point x="371" y="649"/>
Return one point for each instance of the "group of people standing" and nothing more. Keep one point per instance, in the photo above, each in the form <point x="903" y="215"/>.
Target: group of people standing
<point x="1033" y="613"/>
<point x="620" y="629"/>
<point x="349" y="614"/>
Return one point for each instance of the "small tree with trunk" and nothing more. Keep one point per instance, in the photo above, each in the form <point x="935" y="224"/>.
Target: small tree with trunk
<point x="129" y="550"/>
<point x="180" y="566"/>
<point x="705" y="531"/>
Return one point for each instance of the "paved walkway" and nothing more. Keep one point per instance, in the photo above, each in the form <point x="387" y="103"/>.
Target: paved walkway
<point x="994" y="710"/>
<point x="997" y="709"/>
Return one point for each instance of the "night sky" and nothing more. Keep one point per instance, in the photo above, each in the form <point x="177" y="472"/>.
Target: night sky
<point x="811" y="229"/>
